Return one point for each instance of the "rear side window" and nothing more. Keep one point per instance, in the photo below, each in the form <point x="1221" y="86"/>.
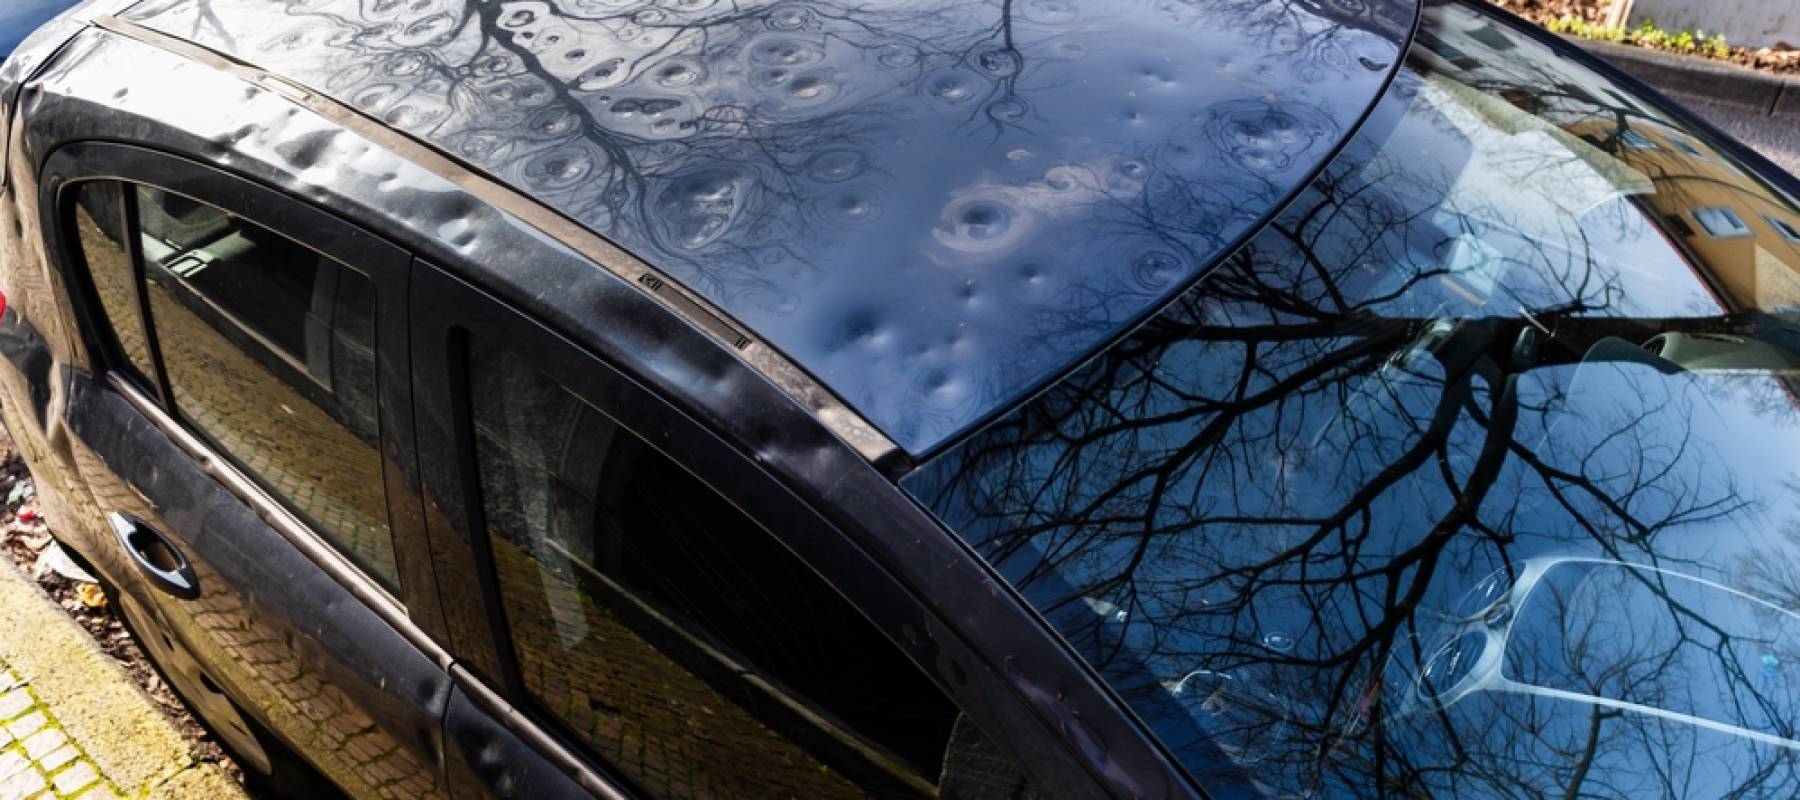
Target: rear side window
<point x="681" y="642"/>
<point x="268" y="349"/>
<point x="100" y="229"/>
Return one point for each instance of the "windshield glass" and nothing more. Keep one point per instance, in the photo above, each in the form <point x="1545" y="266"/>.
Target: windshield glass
<point x="1472" y="475"/>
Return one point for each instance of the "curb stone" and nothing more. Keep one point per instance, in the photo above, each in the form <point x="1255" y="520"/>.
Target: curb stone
<point x="73" y="724"/>
<point x="1755" y="91"/>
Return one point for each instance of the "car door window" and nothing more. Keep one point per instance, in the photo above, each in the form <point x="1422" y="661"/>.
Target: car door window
<point x="268" y="349"/>
<point x="100" y="230"/>
<point x="682" y="643"/>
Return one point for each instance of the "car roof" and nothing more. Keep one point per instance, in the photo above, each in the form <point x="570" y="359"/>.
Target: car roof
<point x="932" y="206"/>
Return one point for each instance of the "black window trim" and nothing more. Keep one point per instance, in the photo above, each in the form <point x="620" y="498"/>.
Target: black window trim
<point x="450" y="309"/>
<point x="414" y="608"/>
<point x="716" y="663"/>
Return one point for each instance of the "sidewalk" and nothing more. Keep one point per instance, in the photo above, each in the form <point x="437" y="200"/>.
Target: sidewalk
<point x="73" y="724"/>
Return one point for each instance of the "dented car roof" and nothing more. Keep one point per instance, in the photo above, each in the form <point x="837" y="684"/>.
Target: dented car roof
<point x="933" y="207"/>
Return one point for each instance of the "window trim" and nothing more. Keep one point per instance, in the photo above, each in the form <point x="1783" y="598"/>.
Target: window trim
<point x="414" y="607"/>
<point x="864" y="761"/>
<point x="636" y="412"/>
<point x="93" y="324"/>
<point x="448" y="306"/>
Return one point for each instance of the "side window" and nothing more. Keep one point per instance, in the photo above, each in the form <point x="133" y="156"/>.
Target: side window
<point x="269" y="350"/>
<point x="100" y="229"/>
<point x="683" y="644"/>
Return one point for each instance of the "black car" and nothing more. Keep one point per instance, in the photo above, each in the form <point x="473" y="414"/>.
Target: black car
<point x="1011" y="399"/>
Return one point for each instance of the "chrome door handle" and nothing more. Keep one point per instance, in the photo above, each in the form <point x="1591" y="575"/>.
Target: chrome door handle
<point x="155" y="556"/>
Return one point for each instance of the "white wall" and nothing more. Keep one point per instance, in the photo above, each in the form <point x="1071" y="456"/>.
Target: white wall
<point x="1747" y="22"/>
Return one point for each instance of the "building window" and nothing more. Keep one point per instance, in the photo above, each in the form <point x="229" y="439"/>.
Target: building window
<point x="1720" y="222"/>
<point x="1788" y="230"/>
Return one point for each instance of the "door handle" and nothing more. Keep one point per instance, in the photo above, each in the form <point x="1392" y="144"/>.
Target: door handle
<point x="155" y="556"/>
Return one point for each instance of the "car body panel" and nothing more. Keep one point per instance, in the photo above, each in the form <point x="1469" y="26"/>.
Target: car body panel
<point x="1024" y="684"/>
<point x="486" y="759"/>
<point x="299" y="651"/>
<point x="489" y="251"/>
<point x="879" y="569"/>
<point x="932" y="207"/>
<point x="1528" y="317"/>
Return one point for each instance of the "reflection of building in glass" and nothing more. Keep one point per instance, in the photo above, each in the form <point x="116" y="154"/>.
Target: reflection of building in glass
<point x="1733" y="231"/>
<point x="1742" y="241"/>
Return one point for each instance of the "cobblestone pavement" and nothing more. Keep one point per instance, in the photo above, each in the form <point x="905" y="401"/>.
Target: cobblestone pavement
<point x="39" y="759"/>
<point x="73" y="724"/>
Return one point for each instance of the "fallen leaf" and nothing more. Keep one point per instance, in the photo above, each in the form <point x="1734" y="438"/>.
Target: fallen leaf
<point x="91" y="595"/>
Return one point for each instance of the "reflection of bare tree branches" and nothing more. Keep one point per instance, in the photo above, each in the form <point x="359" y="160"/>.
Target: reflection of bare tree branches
<point x="1269" y="479"/>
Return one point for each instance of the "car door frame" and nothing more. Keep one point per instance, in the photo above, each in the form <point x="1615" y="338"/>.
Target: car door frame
<point x="386" y="265"/>
<point x="388" y="268"/>
<point x="448" y="308"/>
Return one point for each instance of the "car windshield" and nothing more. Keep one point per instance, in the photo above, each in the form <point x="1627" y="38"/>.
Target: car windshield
<point x="1471" y="475"/>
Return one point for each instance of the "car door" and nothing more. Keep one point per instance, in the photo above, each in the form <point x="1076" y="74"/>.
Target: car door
<point x="245" y="442"/>
<point x="635" y="626"/>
